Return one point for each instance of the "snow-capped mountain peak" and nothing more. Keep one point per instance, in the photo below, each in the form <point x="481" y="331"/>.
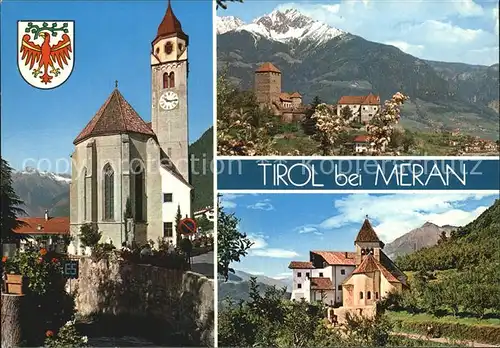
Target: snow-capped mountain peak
<point x="64" y="178"/>
<point x="229" y="23"/>
<point x="282" y="25"/>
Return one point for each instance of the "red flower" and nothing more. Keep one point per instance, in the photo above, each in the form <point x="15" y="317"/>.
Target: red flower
<point x="54" y="260"/>
<point x="49" y="333"/>
<point x="4" y="259"/>
<point x="43" y="251"/>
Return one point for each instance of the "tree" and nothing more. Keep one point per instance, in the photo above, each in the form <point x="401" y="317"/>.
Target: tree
<point x="223" y="3"/>
<point x="381" y="126"/>
<point x="442" y="237"/>
<point x="329" y="126"/>
<point x="346" y="113"/>
<point x="308" y="123"/>
<point x="204" y="225"/>
<point x="89" y="235"/>
<point x="408" y="141"/>
<point x="232" y="245"/>
<point x="178" y="218"/>
<point x="11" y="206"/>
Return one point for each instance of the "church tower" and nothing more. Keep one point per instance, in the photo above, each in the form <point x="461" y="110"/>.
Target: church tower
<point x="367" y="243"/>
<point x="169" y="78"/>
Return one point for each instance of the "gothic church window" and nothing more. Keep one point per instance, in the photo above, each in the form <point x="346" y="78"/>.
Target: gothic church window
<point x="109" y="194"/>
<point x="139" y="192"/>
<point x="168" y="47"/>
<point x="165" y="80"/>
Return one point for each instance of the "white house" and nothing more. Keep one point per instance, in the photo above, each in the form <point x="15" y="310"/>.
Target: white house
<point x="208" y="212"/>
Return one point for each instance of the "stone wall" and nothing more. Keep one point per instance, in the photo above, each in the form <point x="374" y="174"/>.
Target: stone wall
<point x="174" y="301"/>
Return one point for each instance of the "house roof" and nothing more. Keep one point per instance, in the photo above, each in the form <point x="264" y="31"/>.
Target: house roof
<point x="321" y="284"/>
<point x="285" y="96"/>
<point x="388" y="269"/>
<point x="268" y="67"/>
<point x="369" y="99"/>
<point x="361" y="139"/>
<point x="116" y="116"/>
<point x="300" y="265"/>
<point x="170" y="26"/>
<point x="337" y="257"/>
<point x="295" y="95"/>
<point x="38" y="225"/>
<point x="367" y="233"/>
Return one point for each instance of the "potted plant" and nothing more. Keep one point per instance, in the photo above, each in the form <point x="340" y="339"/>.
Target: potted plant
<point x="13" y="278"/>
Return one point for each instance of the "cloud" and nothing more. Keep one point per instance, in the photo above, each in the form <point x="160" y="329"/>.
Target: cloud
<point x="259" y="248"/>
<point x="227" y="200"/>
<point x="306" y="229"/>
<point x="435" y="30"/>
<point x="394" y="215"/>
<point x="282" y="276"/>
<point x="262" y="205"/>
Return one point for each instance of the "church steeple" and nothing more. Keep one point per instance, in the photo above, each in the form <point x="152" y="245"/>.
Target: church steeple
<point x="367" y="242"/>
<point x="170" y="26"/>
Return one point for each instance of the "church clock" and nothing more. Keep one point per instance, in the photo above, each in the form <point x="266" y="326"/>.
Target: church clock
<point x="169" y="100"/>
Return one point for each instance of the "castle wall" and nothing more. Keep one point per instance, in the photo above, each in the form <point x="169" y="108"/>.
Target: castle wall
<point x="267" y="87"/>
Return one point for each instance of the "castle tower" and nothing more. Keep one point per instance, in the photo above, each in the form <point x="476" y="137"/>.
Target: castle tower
<point x="367" y="242"/>
<point x="267" y="84"/>
<point x="169" y="75"/>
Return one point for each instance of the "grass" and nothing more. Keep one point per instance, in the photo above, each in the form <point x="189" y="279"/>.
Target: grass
<point x="425" y="317"/>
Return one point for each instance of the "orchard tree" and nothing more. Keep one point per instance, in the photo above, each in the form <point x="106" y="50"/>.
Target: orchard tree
<point x="11" y="206"/>
<point x="346" y="113"/>
<point x="382" y="125"/>
<point x="329" y="126"/>
<point x="232" y="244"/>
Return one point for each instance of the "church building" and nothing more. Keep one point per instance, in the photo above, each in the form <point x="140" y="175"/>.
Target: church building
<point x="130" y="177"/>
<point x="348" y="281"/>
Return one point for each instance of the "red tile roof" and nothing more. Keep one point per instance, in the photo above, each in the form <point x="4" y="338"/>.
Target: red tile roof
<point x="367" y="233"/>
<point x="300" y="265"/>
<point x="170" y="26"/>
<point x="295" y="95"/>
<point x="321" y="284"/>
<point x="285" y="96"/>
<point x="337" y="257"/>
<point x="369" y="99"/>
<point x="268" y="67"/>
<point x="388" y="269"/>
<point x="115" y="116"/>
<point x="38" y="225"/>
<point x="361" y="139"/>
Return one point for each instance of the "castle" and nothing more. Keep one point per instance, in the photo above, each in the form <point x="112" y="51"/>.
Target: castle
<point x="288" y="106"/>
<point x="348" y="281"/>
<point x="130" y="177"/>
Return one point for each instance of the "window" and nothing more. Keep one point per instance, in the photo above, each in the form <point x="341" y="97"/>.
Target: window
<point x="171" y="78"/>
<point x="139" y="192"/>
<point x="299" y="286"/>
<point x="109" y="192"/>
<point x="361" y="295"/>
<point x="299" y="274"/>
<point x="307" y="274"/>
<point x="168" y="47"/>
<point x="180" y="47"/>
<point x="165" y="80"/>
<point x="157" y="50"/>
<point x="167" y="198"/>
<point x="168" y="229"/>
<point x="376" y="295"/>
<point x="339" y="288"/>
<point x="342" y="271"/>
<point x="368" y="295"/>
<point x="320" y="274"/>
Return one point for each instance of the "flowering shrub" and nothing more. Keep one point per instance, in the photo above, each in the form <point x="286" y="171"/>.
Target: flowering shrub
<point x="329" y="125"/>
<point x="162" y="257"/>
<point x="67" y="337"/>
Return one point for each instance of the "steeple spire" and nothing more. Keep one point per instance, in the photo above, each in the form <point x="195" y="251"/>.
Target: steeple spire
<point x="170" y="26"/>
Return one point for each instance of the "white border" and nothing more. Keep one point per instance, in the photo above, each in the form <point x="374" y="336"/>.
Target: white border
<point x="214" y="172"/>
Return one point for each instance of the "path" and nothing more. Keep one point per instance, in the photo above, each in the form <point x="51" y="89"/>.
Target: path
<point x="442" y="340"/>
<point x="204" y="264"/>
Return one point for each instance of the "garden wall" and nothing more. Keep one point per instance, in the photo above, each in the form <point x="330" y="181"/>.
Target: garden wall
<point x="174" y="302"/>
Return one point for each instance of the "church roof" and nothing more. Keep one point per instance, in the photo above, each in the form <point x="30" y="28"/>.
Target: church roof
<point x="268" y="67"/>
<point x="170" y="26"/>
<point x="367" y="233"/>
<point x="116" y="116"/>
<point x="388" y="269"/>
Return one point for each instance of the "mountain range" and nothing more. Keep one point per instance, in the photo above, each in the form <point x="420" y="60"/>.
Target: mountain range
<point x="42" y="191"/>
<point x="318" y="60"/>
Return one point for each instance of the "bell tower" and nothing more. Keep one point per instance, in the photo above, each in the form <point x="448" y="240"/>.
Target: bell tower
<point x="169" y="78"/>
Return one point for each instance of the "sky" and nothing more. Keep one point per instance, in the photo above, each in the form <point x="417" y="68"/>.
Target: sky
<point x="447" y="30"/>
<point x="285" y="227"/>
<point x="112" y="42"/>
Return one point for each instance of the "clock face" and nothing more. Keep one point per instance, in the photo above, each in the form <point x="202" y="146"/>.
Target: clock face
<point x="169" y="100"/>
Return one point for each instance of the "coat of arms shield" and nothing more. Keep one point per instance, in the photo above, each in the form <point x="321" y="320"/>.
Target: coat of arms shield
<point x="46" y="49"/>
